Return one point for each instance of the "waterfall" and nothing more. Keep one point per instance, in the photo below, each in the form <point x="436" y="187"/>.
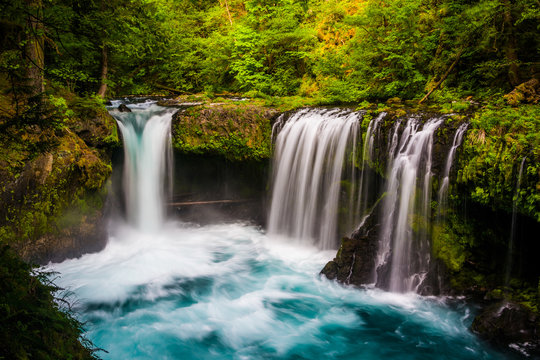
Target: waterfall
<point x="146" y="133"/>
<point x="513" y="225"/>
<point x="443" y="190"/>
<point x="367" y="158"/>
<point x="314" y="148"/>
<point x="404" y="251"/>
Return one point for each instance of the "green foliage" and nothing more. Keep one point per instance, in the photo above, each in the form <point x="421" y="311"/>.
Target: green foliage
<point x="452" y="240"/>
<point x="34" y="325"/>
<point x="338" y="51"/>
<point x="501" y="138"/>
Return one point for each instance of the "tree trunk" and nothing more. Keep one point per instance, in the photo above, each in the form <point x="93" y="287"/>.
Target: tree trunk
<point x="445" y="75"/>
<point x="510" y="48"/>
<point x="34" y="49"/>
<point x="104" y="70"/>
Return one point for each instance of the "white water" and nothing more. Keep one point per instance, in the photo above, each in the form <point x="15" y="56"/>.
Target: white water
<point x="407" y="202"/>
<point x="231" y="292"/>
<point x="443" y="189"/>
<point x="312" y="149"/>
<point x="146" y="133"/>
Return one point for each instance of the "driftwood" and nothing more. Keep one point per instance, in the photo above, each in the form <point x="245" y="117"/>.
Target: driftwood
<point x="211" y="202"/>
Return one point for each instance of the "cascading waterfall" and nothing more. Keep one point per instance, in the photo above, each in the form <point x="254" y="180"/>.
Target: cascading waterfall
<point x="404" y="254"/>
<point x="230" y="291"/>
<point x="367" y="158"/>
<point x="443" y="190"/>
<point x="312" y="150"/>
<point x="510" y="251"/>
<point x="146" y="132"/>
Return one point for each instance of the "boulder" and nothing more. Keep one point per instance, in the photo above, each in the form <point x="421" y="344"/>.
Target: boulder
<point x="123" y="108"/>
<point x="509" y="324"/>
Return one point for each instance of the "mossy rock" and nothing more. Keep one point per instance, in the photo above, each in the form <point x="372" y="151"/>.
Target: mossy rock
<point x="46" y="176"/>
<point x="235" y="131"/>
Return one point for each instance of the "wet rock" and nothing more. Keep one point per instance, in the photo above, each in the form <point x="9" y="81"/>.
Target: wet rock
<point x="123" y="108"/>
<point x="508" y="324"/>
<point x="355" y="260"/>
<point x="53" y="206"/>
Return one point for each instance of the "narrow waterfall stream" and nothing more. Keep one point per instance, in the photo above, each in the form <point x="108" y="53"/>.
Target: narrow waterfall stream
<point x="170" y="290"/>
<point x="509" y="264"/>
<point x="146" y="132"/>
<point x="445" y="183"/>
<point x="407" y="255"/>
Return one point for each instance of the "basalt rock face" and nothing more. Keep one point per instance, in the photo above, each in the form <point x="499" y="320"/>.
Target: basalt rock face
<point x="235" y="132"/>
<point x="508" y="324"/>
<point x="54" y="189"/>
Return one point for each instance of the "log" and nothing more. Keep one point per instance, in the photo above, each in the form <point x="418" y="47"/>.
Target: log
<point x="443" y="77"/>
<point x="211" y="202"/>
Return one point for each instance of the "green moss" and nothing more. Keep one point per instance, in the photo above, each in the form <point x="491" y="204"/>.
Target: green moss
<point x="453" y="241"/>
<point x="69" y="176"/>
<point x="236" y="132"/>
<point x="499" y="139"/>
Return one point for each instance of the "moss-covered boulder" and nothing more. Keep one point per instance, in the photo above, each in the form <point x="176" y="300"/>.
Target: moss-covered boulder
<point x="527" y="92"/>
<point x="509" y="324"/>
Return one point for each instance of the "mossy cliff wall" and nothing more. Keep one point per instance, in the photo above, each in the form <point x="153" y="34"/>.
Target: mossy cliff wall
<point x="54" y="184"/>
<point x="237" y="132"/>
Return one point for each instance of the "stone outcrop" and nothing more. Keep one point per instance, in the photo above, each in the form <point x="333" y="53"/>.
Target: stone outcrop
<point x="355" y="260"/>
<point x="123" y="108"/>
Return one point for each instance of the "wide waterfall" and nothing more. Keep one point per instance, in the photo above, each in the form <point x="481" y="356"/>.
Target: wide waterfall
<point x="232" y="291"/>
<point x="404" y="252"/>
<point x="315" y="149"/>
<point x="146" y="132"/>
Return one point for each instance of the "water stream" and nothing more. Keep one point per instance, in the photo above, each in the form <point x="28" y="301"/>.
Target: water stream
<point x="168" y="290"/>
<point x="403" y="250"/>
<point x="510" y="252"/>
<point x="445" y="183"/>
<point x="313" y="149"/>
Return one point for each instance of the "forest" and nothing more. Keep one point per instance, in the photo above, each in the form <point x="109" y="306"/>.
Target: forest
<point x="242" y="66"/>
<point x="332" y="51"/>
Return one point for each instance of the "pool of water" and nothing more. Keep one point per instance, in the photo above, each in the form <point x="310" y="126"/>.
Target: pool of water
<point x="231" y="292"/>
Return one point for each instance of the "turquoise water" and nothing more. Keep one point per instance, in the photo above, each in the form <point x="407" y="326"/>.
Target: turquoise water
<point x="231" y="292"/>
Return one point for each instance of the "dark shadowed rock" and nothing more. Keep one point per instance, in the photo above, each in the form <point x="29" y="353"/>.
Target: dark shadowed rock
<point x="509" y="324"/>
<point x="123" y="108"/>
<point x="355" y="260"/>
